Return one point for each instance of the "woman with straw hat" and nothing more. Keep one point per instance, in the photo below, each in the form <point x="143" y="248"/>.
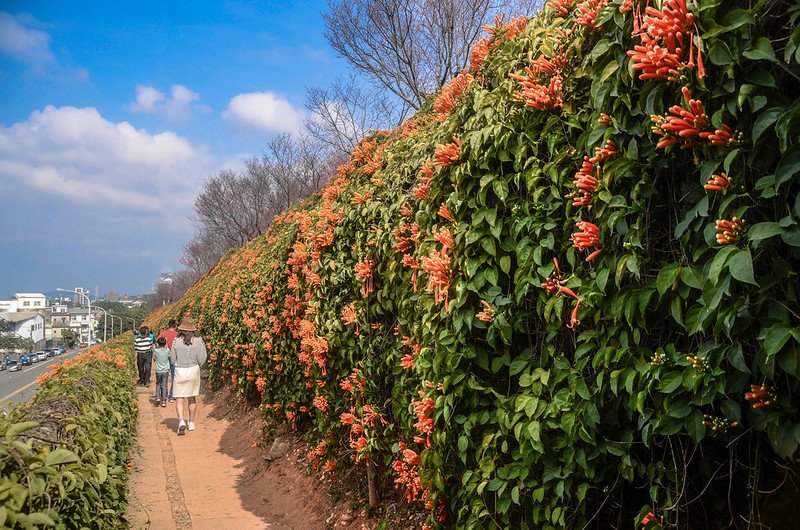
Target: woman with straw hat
<point x="187" y="354"/>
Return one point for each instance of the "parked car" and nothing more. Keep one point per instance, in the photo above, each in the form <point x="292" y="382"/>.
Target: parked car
<point x="3" y="364"/>
<point x="26" y="360"/>
<point x="42" y="355"/>
<point x="49" y="352"/>
<point x="14" y="365"/>
<point x="60" y="349"/>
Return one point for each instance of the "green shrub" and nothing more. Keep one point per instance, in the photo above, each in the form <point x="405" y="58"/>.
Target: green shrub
<point x="64" y="455"/>
<point x="412" y="318"/>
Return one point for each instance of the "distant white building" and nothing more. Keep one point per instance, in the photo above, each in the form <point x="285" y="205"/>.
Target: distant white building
<point x="26" y="324"/>
<point x="30" y="301"/>
<point x="24" y="302"/>
<point x="79" y="323"/>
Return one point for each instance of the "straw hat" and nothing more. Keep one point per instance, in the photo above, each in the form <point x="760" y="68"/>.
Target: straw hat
<point x="187" y="324"/>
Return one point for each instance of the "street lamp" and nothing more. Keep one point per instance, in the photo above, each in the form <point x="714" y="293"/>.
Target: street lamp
<point x="113" y="316"/>
<point x="105" y="321"/>
<point x="89" y="302"/>
<point x="132" y="322"/>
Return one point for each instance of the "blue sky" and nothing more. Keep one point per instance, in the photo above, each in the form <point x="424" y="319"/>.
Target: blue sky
<point x="113" y="114"/>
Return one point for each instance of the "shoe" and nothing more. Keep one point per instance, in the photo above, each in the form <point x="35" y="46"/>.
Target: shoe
<point x="191" y="425"/>
<point x="181" y="428"/>
<point x="172" y="400"/>
<point x="157" y="403"/>
<point x="163" y="403"/>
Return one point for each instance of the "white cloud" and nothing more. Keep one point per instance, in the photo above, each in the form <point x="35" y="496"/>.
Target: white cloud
<point x="263" y="111"/>
<point x="177" y="107"/>
<point x="77" y="154"/>
<point x="32" y="46"/>
<point x="21" y="43"/>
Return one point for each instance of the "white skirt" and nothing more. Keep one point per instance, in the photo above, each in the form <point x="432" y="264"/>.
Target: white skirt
<point x="187" y="382"/>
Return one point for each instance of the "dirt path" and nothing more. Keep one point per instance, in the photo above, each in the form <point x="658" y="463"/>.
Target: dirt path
<point x="216" y="477"/>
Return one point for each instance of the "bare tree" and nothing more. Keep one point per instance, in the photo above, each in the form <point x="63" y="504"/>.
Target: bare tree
<point x="346" y="112"/>
<point x="234" y="207"/>
<point x="409" y="47"/>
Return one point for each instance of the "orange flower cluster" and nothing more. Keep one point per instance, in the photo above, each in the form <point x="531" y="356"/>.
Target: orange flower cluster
<point x="361" y="198"/>
<point x="349" y="315"/>
<point x="437" y="265"/>
<point x="588" y="237"/>
<point x="447" y="154"/>
<point x="588" y="11"/>
<point x="562" y="7"/>
<point x="446" y="100"/>
<point x="408" y="474"/>
<point x="424" y="182"/>
<point x="584" y="180"/>
<point x="363" y="271"/>
<point x="665" y="35"/>
<point x="729" y="232"/>
<point x="423" y="410"/>
<point x="719" y="182"/>
<point x="505" y="30"/>
<point x="478" y="54"/>
<point x="554" y="283"/>
<point x="542" y="85"/>
<point x="761" y="396"/>
<point x="444" y="212"/>
<point x="320" y="402"/>
<point x="411" y="263"/>
<point x="684" y="125"/>
<point x="405" y="242"/>
<point x="487" y="314"/>
<point x="407" y="362"/>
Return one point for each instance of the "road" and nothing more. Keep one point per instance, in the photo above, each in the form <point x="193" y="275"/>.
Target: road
<point x="18" y="387"/>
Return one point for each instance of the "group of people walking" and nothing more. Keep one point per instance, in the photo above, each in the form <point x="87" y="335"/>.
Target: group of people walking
<point x="177" y="352"/>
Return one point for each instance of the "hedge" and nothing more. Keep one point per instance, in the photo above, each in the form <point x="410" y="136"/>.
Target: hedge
<point x="564" y="293"/>
<point x="64" y="454"/>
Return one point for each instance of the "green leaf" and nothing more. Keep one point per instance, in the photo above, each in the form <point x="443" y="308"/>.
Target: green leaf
<point x="500" y="188"/>
<point x="39" y="518"/>
<point x="666" y="278"/>
<point x="17" y="428"/>
<point x="788" y="167"/>
<point x="736" y="358"/>
<point x="719" y="262"/>
<point x="741" y="267"/>
<point x="61" y="456"/>
<point x="775" y="338"/>
<point x="765" y="120"/>
<point x="761" y="49"/>
<point x="695" y="427"/>
<point x="761" y="231"/>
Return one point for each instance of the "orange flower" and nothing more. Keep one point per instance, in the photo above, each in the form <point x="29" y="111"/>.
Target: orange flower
<point x="444" y="211"/>
<point x="664" y="35"/>
<point x="588" y="237"/>
<point x="363" y="271"/>
<point x="321" y="403"/>
<point x="554" y="283"/>
<point x="437" y="265"/>
<point x="762" y="396"/>
<point x="487" y="314"/>
<point x="719" y="182"/>
<point x="407" y="362"/>
<point x="447" y="154"/>
<point x="729" y="232"/>
<point x="478" y="54"/>
<point x="588" y="11"/>
<point x="445" y="101"/>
